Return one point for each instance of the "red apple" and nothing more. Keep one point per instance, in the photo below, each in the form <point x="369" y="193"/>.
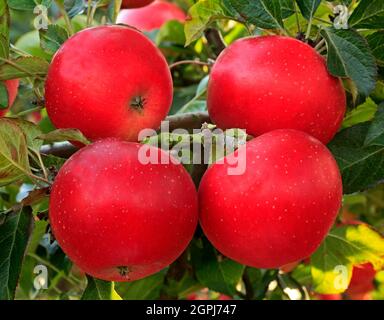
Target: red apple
<point x="12" y="88"/>
<point x="329" y="297"/>
<point x="361" y="281"/>
<point x="274" y="82"/>
<point x="151" y="17"/>
<point x="118" y="219"/>
<point x="280" y="209"/>
<point x="108" y="81"/>
<point x="135" y="3"/>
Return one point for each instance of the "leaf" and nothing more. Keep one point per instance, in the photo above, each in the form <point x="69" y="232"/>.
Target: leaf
<point x="362" y="113"/>
<point x="200" y="16"/>
<point x="202" y="87"/>
<point x="52" y="38"/>
<point x="64" y="135"/>
<point x="143" y="289"/>
<point x="31" y="132"/>
<point x="4" y="101"/>
<point x="28" y="5"/>
<point x="74" y="7"/>
<point x="173" y="32"/>
<point x="213" y="271"/>
<point x="14" y="163"/>
<point x="350" y="56"/>
<point x="376" y="42"/>
<point x="23" y="67"/>
<point x="345" y="247"/>
<point x="308" y="7"/>
<point x="359" y="152"/>
<point x="375" y="134"/>
<point x="4" y="29"/>
<point x="99" y="290"/>
<point x="369" y="14"/>
<point x="262" y="13"/>
<point x="113" y="10"/>
<point x="14" y="236"/>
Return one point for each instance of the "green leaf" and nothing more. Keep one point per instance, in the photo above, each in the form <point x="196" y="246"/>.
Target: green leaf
<point x="14" y="236"/>
<point x="350" y="56"/>
<point x="172" y="31"/>
<point x="4" y="101"/>
<point x="345" y="247"/>
<point x="262" y="13"/>
<point x="28" y="5"/>
<point x="99" y="290"/>
<point x="287" y="8"/>
<point x="376" y="42"/>
<point x="64" y="135"/>
<point x="369" y="14"/>
<point x="14" y="163"/>
<point x="143" y="289"/>
<point x="359" y="152"/>
<point x="74" y="7"/>
<point x="23" y="67"/>
<point x="52" y="38"/>
<point x="4" y="29"/>
<point x="31" y="132"/>
<point x="375" y="134"/>
<point x="362" y="113"/>
<point x="214" y="271"/>
<point x="308" y="7"/>
<point x="200" y="16"/>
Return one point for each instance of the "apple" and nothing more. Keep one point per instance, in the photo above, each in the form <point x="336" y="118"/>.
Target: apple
<point x="135" y="3"/>
<point x="151" y="17"/>
<point x="329" y="296"/>
<point x="118" y="219"/>
<point x="12" y="88"/>
<point x="275" y="82"/>
<point x="108" y="81"/>
<point x="280" y="209"/>
<point x="361" y="281"/>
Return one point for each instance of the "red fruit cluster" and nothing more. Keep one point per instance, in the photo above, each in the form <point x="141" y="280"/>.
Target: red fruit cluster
<point x="119" y="219"/>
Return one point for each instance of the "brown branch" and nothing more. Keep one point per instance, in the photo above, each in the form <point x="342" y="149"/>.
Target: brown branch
<point x="215" y="40"/>
<point x="187" y="121"/>
<point x="195" y="62"/>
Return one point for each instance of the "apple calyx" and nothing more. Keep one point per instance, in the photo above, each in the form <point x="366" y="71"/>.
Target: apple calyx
<point x="123" y="271"/>
<point x="137" y="103"/>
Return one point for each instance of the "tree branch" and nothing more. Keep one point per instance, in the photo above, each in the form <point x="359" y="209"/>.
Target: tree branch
<point x="215" y="40"/>
<point x="187" y="121"/>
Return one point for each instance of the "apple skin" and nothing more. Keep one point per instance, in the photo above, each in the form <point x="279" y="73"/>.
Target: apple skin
<point x="151" y="17"/>
<point x="280" y="209"/>
<point x="274" y="82"/>
<point x="361" y="281"/>
<point x="107" y="210"/>
<point x="135" y="3"/>
<point x="97" y="77"/>
<point x="12" y="88"/>
<point x="330" y="296"/>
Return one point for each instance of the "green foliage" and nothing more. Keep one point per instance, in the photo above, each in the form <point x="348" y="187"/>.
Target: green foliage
<point x="100" y="290"/>
<point x="349" y="56"/>
<point x="14" y="235"/>
<point x="216" y="272"/>
<point x="331" y="264"/>
<point x="369" y="14"/>
<point x="308" y="8"/>
<point x="23" y="67"/>
<point x="359" y="153"/>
